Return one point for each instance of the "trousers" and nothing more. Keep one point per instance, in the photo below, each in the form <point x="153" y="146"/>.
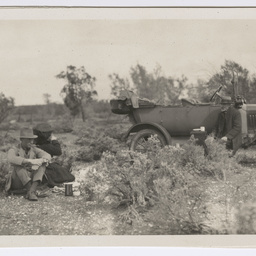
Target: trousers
<point x="21" y="176"/>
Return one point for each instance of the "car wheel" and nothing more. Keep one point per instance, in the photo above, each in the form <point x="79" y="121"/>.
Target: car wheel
<point x="140" y="141"/>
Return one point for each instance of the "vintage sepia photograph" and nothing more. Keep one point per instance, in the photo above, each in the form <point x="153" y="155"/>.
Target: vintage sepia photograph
<point x="136" y="122"/>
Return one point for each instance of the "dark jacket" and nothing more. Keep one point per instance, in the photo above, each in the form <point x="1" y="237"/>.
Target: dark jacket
<point x="51" y="147"/>
<point x="54" y="172"/>
<point x="230" y="125"/>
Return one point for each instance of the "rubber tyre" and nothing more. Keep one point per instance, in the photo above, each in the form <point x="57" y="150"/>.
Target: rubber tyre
<point x="146" y="133"/>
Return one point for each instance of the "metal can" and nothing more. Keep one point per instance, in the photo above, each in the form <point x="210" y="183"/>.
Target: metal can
<point x="68" y="190"/>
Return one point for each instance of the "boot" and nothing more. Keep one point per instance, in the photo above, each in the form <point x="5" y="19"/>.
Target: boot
<point x="27" y="187"/>
<point x="31" y="195"/>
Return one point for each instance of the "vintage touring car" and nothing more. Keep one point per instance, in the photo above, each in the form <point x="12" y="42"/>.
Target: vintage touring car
<point x="176" y="122"/>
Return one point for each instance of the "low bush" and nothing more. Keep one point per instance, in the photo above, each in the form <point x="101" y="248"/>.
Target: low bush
<point x="101" y="106"/>
<point x="93" y="141"/>
<point x="246" y="156"/>
<point x="167" y="183"/>
<point x="7" y="141"/>
<point x="167" y="194"/>
<point x="246" y="219"/>
<point x="4" y="169"/>
<point x="63" y="124"/>
<point x="94" y="147"/>
<point x="173" y="186"/>
<point x="116" y="131"/>
<point x="7" y="126"/>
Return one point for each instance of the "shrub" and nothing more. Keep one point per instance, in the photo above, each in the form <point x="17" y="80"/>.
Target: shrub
<point x="7" y="126"/>
<point x="246" y="217"/>
<point x="217" y="163"/>
<point x="7" y="141"/>
<point x="246" y="156"/>
<point x="63" y="124"/>
<point x="172" y="186"/>
<point x="158" y="182"/>
<point x="101" y="107"/>
<point x="93" y="141"/>
<point x="116" y="131"/>
<point x="4" y="169"/>
<point x="6" y="105"/>
<point x="95" y="147"/>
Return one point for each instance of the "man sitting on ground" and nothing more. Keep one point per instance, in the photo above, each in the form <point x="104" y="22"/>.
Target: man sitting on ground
<point x="28" y="165"/>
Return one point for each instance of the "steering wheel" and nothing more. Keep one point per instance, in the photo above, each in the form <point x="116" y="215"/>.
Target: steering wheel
<point x="215" y="93"/>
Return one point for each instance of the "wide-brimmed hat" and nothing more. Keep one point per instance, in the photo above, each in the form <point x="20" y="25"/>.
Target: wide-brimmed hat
<point x="43" y="127"/>
<point x="27" y="133"/>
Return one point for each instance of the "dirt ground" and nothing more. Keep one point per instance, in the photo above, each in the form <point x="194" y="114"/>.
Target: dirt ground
<point x="64" y="215"/>
<point x="54" y="215"/>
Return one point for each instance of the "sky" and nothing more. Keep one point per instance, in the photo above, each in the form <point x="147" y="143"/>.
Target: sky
<point x="33" y="52"/>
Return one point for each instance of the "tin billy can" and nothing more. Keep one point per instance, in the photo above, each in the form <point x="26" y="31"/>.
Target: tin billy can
<point x="68" y="189"/>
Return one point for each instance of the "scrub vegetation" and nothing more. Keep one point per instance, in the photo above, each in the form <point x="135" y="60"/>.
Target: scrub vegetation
<point x="172" y="190"/>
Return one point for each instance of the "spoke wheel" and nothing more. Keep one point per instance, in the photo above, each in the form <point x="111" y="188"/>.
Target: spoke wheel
<point x="140" y="141"/>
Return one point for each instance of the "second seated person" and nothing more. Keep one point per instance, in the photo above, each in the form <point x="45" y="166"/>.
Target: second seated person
<point x="55" y="173"/>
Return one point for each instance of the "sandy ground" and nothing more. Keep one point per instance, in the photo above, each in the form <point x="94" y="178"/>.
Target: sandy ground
<point x="54" y="215"/>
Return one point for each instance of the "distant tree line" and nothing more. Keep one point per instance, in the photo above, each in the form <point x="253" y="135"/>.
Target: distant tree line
<point x="32" y="113"/>
<point x="169" y="89"/>
<point x="79" y="94"/>
<point x="79" y="90"/>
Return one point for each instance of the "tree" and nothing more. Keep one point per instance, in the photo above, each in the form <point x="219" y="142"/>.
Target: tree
<point x="176" y="88"/>
<point x="201" y="91"/>
<point x="153" y="86"/>
<point x="156" y="86"/>
<point x="49" y="108"/>
<point x="252" y="98"/>
<point x="141" y="81"/>
<point x="47" y="98"/>
<point x="118" y="84"/>
<point x="6" y="105"/>
<point x="231" y="72"/>
<point x="79" y="89"/>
